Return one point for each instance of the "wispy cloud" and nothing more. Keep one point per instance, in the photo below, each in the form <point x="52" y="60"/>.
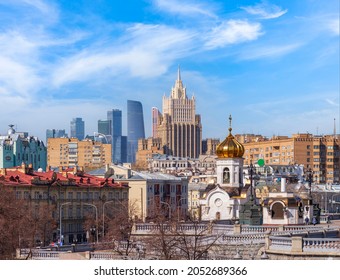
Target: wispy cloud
<point x="333" y="102"/>
<point x="232" y="32"/>
<point x="334" y="26"/>
<point x="146" y="51"/>
<point x="265" y="10"/>
<point x="269" y="51"/>
<point x="186" y="8"/>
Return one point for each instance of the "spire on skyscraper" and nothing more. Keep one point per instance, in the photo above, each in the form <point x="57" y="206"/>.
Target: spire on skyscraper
<point x="179" y="73"/>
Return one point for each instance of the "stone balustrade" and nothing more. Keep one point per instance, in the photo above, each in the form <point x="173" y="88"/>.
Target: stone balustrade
<point x="45" y="255"/>
<point x="102" y="256"/>
<point x="254" y="238"/>
<point x="280" y="243"/>
<point x="321" y="245"/>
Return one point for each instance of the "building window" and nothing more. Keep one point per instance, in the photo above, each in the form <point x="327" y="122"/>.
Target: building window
<point x="26" y="195"/>
<point x="96" y="195"/>
<point x="226" y="176"/>
<point x="70" y="212"/>
<point x="18" y="194"/>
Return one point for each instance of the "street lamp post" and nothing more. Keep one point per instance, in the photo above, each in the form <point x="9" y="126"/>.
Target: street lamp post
<point x="89" y="204"/>
<point x="103" y="213"/>
<point x="251" y="173"/>
<point x="178" y="207"/>
<point x="309" y="179"/>
<point x="60" y="221"/>
<point x="333" y="201"/>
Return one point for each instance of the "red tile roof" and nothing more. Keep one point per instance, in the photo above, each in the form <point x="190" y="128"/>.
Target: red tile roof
<point x="17" y="177"/>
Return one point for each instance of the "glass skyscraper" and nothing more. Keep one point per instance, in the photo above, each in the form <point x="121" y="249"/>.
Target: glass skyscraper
<point x="55" y="133"/>
<point x="77" y="128"/>
<point x="118" y="142"/>
<point x="135" y="128"/>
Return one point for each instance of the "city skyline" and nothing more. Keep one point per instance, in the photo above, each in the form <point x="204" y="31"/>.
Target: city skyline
<point x="273" y="65"/>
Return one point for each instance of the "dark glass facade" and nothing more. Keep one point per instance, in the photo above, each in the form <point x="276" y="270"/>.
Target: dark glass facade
<point x="77" y="128"/>
<point x="118" y="142"/>
<point x="135" y="128"/>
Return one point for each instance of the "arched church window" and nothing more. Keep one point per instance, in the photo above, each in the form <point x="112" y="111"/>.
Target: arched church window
<point x="277" y="211"/>
<point x="226" y="175"/>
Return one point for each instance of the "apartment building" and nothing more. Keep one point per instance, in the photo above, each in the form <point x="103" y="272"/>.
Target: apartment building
<point x="74" y="200"/>
<point x="321" y="154"/>
<point x="68" y="152"/>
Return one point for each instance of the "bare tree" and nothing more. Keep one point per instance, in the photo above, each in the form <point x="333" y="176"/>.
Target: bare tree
<point x="173" y="239"/>
<point x="15" y="229"/>
<point x="119" y="223"/>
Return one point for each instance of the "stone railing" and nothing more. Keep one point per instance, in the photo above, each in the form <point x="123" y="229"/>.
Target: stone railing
<point x="219" y="229"/>
<point x="258" y="229"/>
<point x="303" y="246"/>
<point x="250" y="238"/>
<point x="36" y="254"/>
<point x="280" y="243"/>
<point x="45" y="255"/>
<point x="102" y="256"/>
<point x="321" y="245"/>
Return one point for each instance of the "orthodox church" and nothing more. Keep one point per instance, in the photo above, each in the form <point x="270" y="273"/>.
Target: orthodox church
<point x="223" y="200"/>
<point x="229" y="199"/>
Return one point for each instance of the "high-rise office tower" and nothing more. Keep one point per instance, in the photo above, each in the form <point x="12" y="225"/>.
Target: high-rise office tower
<point x="118" y="142"/>
<point x="135" y="128"/>
<point x="179" y="127"/>
<point x="55" y="133"/>
<point x="104" y="132"/>
<point x="77" y="128"/>
<point x="156" y="115"/>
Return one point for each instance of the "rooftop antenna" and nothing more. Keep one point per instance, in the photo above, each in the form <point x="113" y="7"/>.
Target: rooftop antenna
<point x="334" y="128"/>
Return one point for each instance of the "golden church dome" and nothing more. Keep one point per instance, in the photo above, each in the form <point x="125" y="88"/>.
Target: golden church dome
<point x="230" y="147"/>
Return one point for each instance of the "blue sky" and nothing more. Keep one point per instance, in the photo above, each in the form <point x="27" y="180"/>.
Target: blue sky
<point x="273" y="65"/>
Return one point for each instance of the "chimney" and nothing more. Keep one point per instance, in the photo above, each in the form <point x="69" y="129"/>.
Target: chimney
<point x="283" y="184"/>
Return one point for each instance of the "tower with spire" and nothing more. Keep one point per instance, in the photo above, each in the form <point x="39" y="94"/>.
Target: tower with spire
<point x="179" y="126"/>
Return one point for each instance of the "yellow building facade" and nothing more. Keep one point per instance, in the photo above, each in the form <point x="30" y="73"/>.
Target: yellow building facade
<point x="321" y="154"/>
<point x="68" y="152"/>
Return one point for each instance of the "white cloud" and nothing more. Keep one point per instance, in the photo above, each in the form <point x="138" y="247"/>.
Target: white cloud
<point x="40" y="5"/>
<point x="265" y="11"/>
<point x="334" y="26"/>
<point x="333" y="102"/>
<point x="146" y="51"/>
<point x="186" y="8"/>
<point x="233" y="32"/>
<point x="269" y="51"/>
<point x="18" y="78"/>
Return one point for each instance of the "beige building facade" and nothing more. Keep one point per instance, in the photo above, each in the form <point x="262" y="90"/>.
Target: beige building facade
<point x="147" y="148"/>
<point x="179" y="126"/>
<point x="321" y="154"/>
<point x="73" y="199"/>
<point x="68" y="152"/>
<point x="151" y="194"/>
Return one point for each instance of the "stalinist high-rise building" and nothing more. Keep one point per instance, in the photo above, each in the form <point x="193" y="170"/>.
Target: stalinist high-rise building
<point x="179" y="127"/>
